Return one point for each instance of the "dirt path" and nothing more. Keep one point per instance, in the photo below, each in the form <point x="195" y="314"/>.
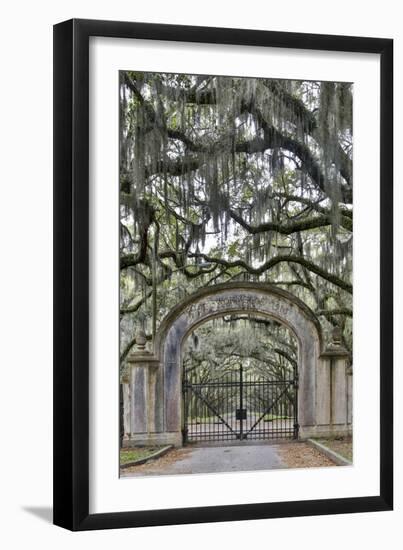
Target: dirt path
<point x="303" y="455"/>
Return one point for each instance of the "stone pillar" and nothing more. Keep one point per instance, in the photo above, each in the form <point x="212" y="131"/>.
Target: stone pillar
<point x="141" y="393"/>
<point x="334" y="390"/>
<point x="126" y="389"/>
<point x="350" y="395"/>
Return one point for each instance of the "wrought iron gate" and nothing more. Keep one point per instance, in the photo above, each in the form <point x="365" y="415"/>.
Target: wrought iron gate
<point x="240" y="405"/>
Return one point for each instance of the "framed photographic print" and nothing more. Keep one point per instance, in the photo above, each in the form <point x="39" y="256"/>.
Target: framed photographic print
<point x="222" y="350"/>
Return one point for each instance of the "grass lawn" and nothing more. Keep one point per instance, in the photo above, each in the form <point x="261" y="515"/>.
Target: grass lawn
<point x="136" y="453"/>
<point x="271" y="417"/>
<point x="215" y="420"/>
<point x="203" y="419"/>
<point x="341" y="445"/>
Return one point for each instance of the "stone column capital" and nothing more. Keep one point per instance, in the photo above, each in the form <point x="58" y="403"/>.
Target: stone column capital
<point x="143" y="358"/>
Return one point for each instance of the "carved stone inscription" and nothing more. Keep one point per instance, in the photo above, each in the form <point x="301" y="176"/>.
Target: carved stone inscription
<point x="235" y="302"/>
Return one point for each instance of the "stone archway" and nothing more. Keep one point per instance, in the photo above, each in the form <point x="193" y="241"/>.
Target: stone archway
<point x="153" y="394"/>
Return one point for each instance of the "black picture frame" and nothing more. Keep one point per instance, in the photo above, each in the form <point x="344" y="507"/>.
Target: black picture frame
<point x="71" y="274"/>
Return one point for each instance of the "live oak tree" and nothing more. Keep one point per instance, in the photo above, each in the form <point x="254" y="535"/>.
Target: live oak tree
<point x="231" y="179"/>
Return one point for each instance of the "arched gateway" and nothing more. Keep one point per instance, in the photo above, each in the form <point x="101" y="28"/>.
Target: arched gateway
<point x="153" y="391"/>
